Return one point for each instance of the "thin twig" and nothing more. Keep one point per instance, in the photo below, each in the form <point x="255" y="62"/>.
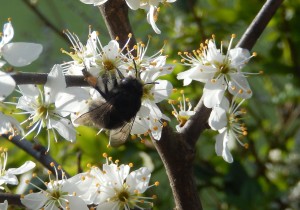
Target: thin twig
<point x="259" y="24"/>
<point x="22" y="78"/>
<point x="36" y="151"/>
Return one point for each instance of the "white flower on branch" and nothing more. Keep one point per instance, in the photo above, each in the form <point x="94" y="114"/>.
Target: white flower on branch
<point x="59" y="194"/>
<point x="9" y="125"/>
<point x="225" y="119"/>
<point x="48" y="108"/>
<point x="149" y="69"/>
<point x="218" y="71"/>
<point x="9" y="176"/>
<point x="114" y="187"/>
<point x="97" y="59"/>
<point x="185" y="110"/>
<point x="104" y="62"/>
<point x="17" y="53"/>
<point x="151" y="6"/>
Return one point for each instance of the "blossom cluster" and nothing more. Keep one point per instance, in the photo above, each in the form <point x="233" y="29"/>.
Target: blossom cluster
<point x="111" y="61"/>
<point x="57" y="107"/>
<point x="150" y="6"/>
<point x="111" y="187"/>
<point x="221" y="73"/>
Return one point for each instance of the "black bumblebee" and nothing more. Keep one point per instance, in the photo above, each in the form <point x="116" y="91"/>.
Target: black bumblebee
<point x="122" y="100"/>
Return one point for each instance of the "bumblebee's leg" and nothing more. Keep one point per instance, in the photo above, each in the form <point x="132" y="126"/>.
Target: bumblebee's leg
<point x="93" y="82"/>
<point x="120" y="74"/>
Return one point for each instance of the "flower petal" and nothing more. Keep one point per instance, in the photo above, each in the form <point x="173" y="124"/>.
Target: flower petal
<point x="7" y="85"/>
<point x="21" y="53"/>
<point x="4" y="205"/>
<point x="213" y="92"/>
<point x="8" y="34"/>
<point x="55" y="83"/>
<point x="95" y="2"/>
<point x="138" y="180"/>
<point x="34" y="200"/>
<point x="151" y="18"/>
<point x="27" y="166"/>
<point x="65" y="128"/>
<point x="218" y="118"/>
<point x="161" y="90"/>
<point x="221" y="146"/>
<point x="239" y="86"/>
<point x="133" y="4"/>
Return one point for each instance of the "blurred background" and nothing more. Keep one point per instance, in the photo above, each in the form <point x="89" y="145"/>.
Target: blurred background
<point x="264" y="176"/>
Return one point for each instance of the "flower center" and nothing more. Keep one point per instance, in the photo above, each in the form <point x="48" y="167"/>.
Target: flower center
<point x="147" y="94"/>
<point x="224" y="69"/>
<point x="42" y="110"/>
<point x="182" y="120"/>
<point x="108" y="65"/>
<point x="123" y="196"/>
<point x="56" y="194"/>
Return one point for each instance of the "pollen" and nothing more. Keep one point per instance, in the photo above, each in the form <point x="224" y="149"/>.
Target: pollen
<point x="156" y="183"/>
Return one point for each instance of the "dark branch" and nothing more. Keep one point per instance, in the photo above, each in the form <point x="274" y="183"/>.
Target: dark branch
<point x="115" y="14"/>
<point x="259" y="24"/>
<point x="36" y="151"/>
<point x="41" y="78"/>
<point x="12" y="199"/>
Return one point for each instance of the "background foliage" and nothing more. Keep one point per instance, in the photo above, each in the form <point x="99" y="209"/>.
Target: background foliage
<point x="265" y="176"/>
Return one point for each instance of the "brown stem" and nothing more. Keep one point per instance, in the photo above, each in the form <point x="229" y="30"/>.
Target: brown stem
<point x="36" y="151"/>
<point x="115" y="14"/>
<point x="259" y="24"/>
<point x="177" y="157"/>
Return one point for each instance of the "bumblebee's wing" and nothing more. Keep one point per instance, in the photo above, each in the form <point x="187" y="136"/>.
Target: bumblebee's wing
<point x="94" y="117"/>
<point x="118" y="136"/>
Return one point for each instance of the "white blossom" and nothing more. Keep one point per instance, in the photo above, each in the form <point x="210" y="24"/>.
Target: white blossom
<point x="114" y="187"/>
<point x="97" y="59"/>
<point x="9" y="176"/>
<point x="9" y="125"/>
<point x="218" y="71"/>
<point x="17" y="53"/>
<point x="149" y="69"/>
<point x="226" y="118"/>
<point x="151" y="6"/>
<point x="48" y="108"/>
<point x="185" y="110"/>
<point x="59" y="194"/>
